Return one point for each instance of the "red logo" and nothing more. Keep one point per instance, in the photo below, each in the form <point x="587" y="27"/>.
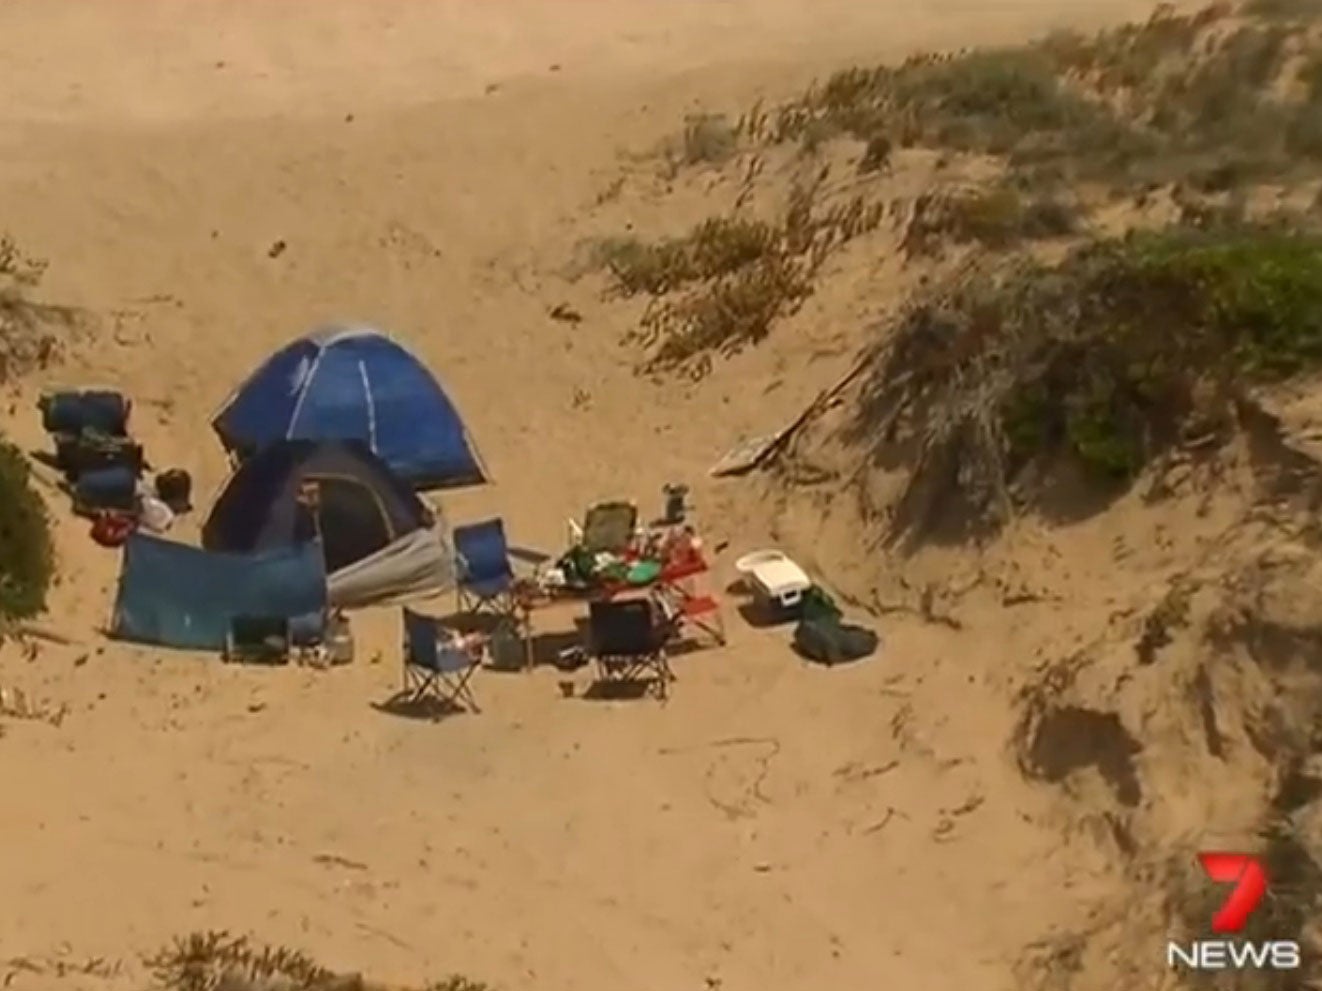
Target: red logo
<point x="1250" y="881"/>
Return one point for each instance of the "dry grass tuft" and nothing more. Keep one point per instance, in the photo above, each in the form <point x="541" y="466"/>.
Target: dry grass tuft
<point x="217" y="961"/>
<point x="1160" y="101"/>
<point x="1288" y="10"/>
<point x="722" y="286"/>
<point x="709" y="139"/>
<point x="996" y="217"/>
<point x="30" y="331"/>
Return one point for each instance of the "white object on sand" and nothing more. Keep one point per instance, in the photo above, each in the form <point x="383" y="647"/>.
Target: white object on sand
<point x="774" y="576"/>
<point x="156" y="515"/>
<point x="744" y="456"/>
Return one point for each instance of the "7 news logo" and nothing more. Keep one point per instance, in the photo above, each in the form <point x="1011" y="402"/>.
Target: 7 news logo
<point x="1250" y="882"/>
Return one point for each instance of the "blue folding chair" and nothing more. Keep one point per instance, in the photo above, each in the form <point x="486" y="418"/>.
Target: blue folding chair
<point x="486" y="584"/>
<point x="486" y="578"/>
<point x="435" y="664"/>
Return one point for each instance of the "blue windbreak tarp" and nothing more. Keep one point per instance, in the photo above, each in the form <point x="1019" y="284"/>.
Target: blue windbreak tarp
<point x="175" y="595"/>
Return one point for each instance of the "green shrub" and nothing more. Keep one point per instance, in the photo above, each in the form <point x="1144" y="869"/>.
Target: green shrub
<point x="984" y="101"/>
<point x="1302" y="10"/>
<point x="27" y="558"/>
<point x="1149" y="317"/>
<point x="996" y="217"/>
<point x="1127" y="107"/>
<point x="1101" y="357"/>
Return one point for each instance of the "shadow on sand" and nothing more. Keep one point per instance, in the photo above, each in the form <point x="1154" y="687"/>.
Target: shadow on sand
<point x="620" y="691"/>
<point x="406" y="705"/>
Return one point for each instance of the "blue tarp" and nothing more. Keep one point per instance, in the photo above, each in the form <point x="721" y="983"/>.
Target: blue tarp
<point x="174" y="595"/>
<point x="354" y="384"/>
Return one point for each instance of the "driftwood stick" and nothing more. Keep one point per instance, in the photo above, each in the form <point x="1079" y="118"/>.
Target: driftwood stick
<point x="819" y="403"/>
<point x="44" y="633"/>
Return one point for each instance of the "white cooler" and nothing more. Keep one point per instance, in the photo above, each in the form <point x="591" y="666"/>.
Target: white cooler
<point x="774" y="578"/>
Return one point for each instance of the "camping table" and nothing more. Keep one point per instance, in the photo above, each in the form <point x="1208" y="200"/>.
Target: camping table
<point x="669" y="584"/>
<point x="527" y="597"/>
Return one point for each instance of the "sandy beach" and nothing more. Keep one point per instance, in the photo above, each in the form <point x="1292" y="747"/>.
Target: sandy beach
<point x="433" y="168"/>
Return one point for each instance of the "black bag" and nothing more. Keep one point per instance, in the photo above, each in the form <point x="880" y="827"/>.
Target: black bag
<point x="90" y="450"/>
<point x="829" y="641"/>
<point x="175" y="488"/>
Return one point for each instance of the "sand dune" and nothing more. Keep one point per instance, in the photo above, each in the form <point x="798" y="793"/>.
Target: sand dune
<point x="774" y="827"/>
<point x="219" y="58"/>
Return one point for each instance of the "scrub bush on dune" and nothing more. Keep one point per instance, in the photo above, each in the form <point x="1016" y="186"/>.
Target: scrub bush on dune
<point x="26" y="341"/>
<point x="27" y="560"/>
<point x="1006" y="368"/>
<point x="28" y="328"/>
<point x="1204" y="109"/>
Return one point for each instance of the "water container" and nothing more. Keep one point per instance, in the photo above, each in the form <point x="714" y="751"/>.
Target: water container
<point x="339" y="640"/>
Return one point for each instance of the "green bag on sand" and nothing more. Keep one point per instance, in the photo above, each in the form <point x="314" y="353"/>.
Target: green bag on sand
<point x="821" y="635"/>
<point x="818" y="604"/>
<point x="828" y="641"/>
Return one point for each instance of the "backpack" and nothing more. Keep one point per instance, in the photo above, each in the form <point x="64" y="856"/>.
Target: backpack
<point x="111" y="529"/>
<point x="175" y="488"/>
<point x="827" y="640"/>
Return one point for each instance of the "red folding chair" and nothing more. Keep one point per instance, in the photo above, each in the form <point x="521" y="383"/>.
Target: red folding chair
<point x="686" y="605"/>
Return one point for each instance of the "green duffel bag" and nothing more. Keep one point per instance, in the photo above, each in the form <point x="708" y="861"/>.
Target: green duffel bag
<point x="828" y="641"/>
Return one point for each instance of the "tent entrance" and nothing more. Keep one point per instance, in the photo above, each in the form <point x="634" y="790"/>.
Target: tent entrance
<point x="352" y="522"/>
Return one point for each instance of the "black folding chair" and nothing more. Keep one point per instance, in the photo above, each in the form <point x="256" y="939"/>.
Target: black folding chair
<point x="627" y="640"/>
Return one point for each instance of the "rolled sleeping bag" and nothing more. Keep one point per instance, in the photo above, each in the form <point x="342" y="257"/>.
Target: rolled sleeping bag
<point x="72" y="412"/>
<point x="106" y="488"/>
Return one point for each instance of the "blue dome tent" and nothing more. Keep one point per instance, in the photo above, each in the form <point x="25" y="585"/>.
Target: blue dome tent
<point x="377" y="538"/>
<point x="354" y="383"/>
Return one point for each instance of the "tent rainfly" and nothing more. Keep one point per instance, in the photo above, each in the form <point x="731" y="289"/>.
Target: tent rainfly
<point x="354" y="383"/>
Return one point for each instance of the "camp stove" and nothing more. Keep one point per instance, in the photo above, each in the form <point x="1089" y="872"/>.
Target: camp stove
<point x="676" y="503"/>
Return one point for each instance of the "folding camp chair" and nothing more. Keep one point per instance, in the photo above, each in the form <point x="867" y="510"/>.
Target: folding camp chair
<point x="608" y="528"/>
<point x="627" y="640"/>
<point x="436" y="664"/>
<point x="486" y="577"/>
<point x="690" y="612"/>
